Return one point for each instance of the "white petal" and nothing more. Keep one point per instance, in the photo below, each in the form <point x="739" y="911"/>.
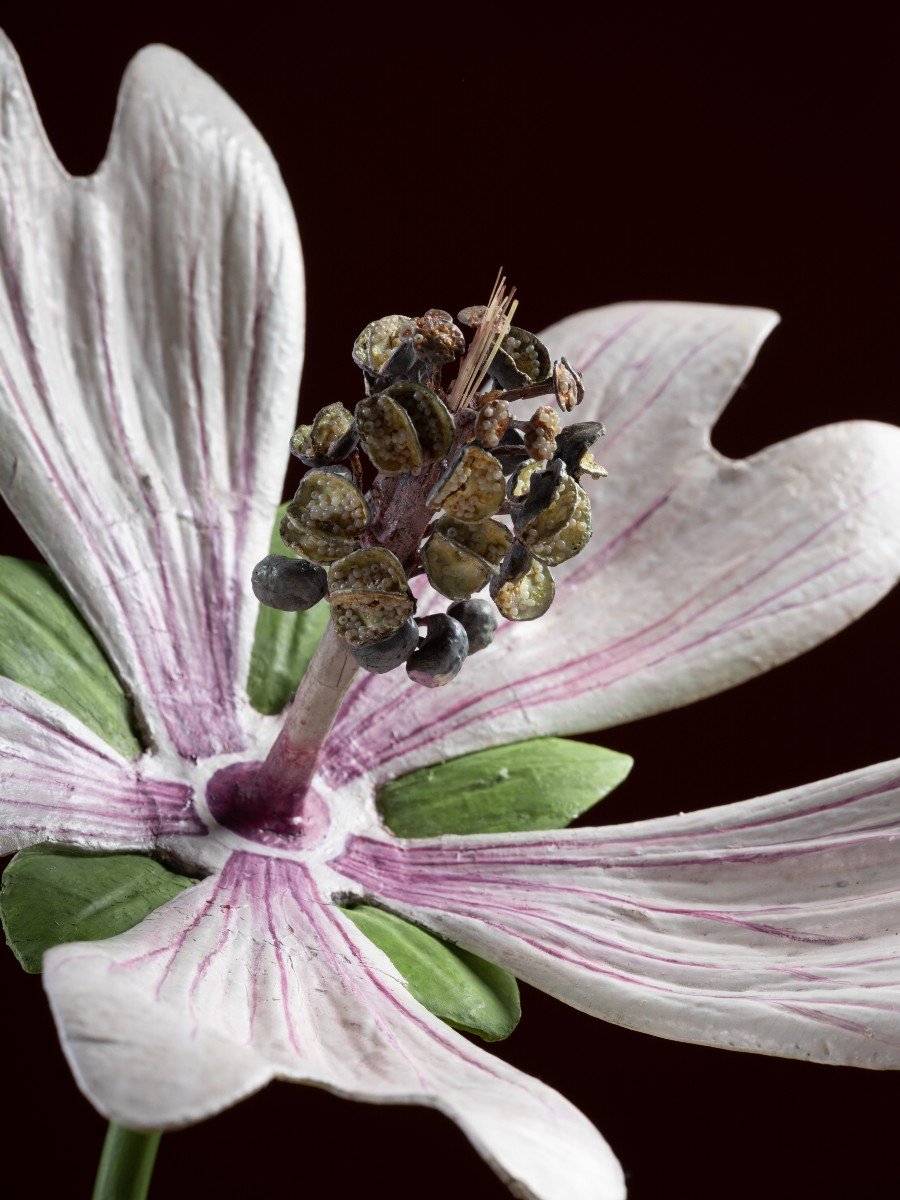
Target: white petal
<point x="61" y="783"/>
<point x="702" y="571"/>
<point x="150" y="338"/>
<point x="256" y="975"/>
<point x="771" y="925"/>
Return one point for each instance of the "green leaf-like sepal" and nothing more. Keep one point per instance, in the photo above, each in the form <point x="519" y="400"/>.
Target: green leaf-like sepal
<point x="540" y="784"/>
<point x="54" y="894"/>
<point x="46" y="646"/>
<point x="283" y="644"/>
<point x="458" y="987"/>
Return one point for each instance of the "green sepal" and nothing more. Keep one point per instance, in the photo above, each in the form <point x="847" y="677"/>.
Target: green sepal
<point x="46" y="646"/>
<point x="56" y="894"/>
<point x="540" y="784"/>
<point x="283" y="644"/>
<point x="458" y="987"/>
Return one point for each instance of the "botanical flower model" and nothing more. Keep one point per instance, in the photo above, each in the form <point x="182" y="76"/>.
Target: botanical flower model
<point x="149" y="358"/>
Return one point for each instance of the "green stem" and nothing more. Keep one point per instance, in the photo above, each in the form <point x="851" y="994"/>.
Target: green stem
<point x="126" y="1164"/>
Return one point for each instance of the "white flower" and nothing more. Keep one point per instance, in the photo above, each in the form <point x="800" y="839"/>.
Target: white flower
<point x="150" y="338"/>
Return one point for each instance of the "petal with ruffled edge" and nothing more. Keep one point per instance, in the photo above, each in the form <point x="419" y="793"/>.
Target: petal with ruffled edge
<point x="255" y="975"/>
<point x="61" y="783"/>
<point x="150" y="341"/>
<point x="702" y="573"/>
<point x="771" y="925"/>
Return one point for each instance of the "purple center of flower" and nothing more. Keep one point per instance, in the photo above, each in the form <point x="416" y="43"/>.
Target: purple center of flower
<point x="239" y="802"/>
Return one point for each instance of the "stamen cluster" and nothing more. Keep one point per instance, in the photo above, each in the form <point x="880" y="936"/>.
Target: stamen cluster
<point x="463" y="491"/>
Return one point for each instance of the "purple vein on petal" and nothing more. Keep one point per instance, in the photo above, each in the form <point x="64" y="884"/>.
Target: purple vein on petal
<point x="266" y="887"/>
<point x="492" y="897"/>
<point x="215" y="582"/>
<point x="56" y="784"/>
<point x="659" y="392"/>
<point x="42" y="390"/>
<point x="226" y="902"/>
<point x="602" y="556"/>
<point x="407" y="887"/>
<point x="588" y="356"/>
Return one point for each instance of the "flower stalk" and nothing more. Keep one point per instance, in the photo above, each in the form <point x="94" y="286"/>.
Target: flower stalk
<point x="126" y="1164"/>
<point x="283" y="780"/>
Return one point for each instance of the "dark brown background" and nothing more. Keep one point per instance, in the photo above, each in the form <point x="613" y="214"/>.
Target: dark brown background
<point x="618" y="157"/>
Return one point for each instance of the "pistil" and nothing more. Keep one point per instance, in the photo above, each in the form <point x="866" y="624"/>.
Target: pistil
<point x="281" y="784"/>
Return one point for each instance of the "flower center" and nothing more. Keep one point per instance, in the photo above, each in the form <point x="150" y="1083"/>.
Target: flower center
<point x="236" y="800"/>
<point x="463" y="493"/>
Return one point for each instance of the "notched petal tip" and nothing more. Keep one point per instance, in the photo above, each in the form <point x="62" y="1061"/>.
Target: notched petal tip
<point x="690" y="357"/>
<point x="19" y="116"/>
<point x="156" y="73"/>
